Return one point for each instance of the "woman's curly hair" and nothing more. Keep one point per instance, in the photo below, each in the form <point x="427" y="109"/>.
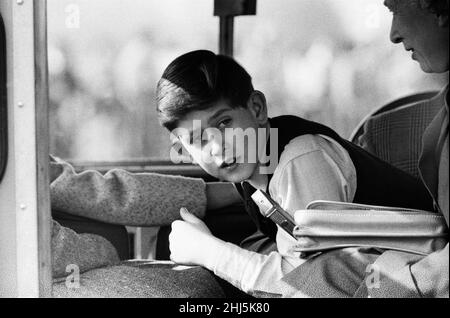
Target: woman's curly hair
<point x="438" y="7"/>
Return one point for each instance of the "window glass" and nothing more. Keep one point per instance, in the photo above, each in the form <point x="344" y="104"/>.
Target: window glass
<point x="329" y="60"/>
<point x="105" y="58"/>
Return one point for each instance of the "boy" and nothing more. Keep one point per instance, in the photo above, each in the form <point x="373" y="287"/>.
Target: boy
<point x="216" y="94"/>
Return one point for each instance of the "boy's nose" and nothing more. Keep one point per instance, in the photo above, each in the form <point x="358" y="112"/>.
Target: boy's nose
<point x="216" y="149"/>
<point x="221" y="152"/>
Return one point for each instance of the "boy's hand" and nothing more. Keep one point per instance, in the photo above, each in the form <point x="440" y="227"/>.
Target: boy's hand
<point x="191" y="242"/>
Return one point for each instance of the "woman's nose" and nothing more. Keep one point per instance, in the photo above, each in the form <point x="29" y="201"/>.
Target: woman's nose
<point x="394" y="35"/>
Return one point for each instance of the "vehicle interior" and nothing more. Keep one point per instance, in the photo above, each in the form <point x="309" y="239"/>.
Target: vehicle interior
<point x="77" y="85"/>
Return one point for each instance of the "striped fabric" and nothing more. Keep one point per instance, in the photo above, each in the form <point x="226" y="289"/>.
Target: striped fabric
<point x="395" y="136"/>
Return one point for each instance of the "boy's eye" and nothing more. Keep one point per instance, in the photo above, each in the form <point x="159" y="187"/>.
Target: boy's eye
<point x="224" y="123"/>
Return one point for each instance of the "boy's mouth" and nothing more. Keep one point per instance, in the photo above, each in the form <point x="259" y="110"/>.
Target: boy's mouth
<point x="228" y="165"/>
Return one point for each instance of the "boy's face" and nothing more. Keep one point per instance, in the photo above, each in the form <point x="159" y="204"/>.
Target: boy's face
<point x="205" y="134"/>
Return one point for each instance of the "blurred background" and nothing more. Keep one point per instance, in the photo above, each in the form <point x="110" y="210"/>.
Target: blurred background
<point x="325" y="60"/>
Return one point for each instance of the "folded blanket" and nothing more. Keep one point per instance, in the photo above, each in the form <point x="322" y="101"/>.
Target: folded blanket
<point x="81" y="251"/>
<point x="118" y="197"/>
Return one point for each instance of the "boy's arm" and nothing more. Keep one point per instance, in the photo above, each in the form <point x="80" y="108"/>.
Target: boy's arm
<point x="313" y="168"/>
<point x="192" y="243"/>
<point x="119" y="197"/>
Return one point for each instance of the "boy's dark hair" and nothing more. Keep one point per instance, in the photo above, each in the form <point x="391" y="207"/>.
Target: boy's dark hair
<point x="197" y="80"/>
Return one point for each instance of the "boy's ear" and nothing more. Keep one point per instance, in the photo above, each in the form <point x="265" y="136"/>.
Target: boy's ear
<point x="258" y="106"/>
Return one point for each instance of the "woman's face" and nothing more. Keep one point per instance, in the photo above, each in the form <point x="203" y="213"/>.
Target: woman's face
<point x="421" y="33"/>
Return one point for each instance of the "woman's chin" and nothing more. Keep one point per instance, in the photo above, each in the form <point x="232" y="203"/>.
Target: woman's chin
<point x="430" y="67"/>
<point x="426" y="68"/>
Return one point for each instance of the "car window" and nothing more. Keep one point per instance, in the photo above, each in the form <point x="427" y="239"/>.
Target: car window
<point x="105" y="58"/>
<point x="329" y="61"/>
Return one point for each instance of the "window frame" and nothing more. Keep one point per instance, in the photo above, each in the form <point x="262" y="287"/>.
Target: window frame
<point x="3" y="102"/>
<point x="25" y="218"/>
<point x="143" y="165"/>
<point x="42" y="135"/>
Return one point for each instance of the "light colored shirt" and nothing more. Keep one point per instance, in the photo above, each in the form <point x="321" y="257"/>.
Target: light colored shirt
<point x="311" y="167"/>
